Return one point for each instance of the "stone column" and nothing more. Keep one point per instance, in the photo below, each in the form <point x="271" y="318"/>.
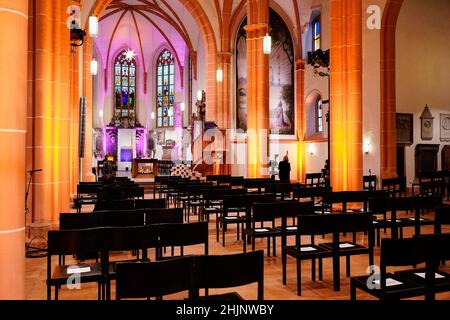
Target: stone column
<point x="13" y="124"/>
<point x="346" y="95"/>
<point x="301" y="119"/>
<point x="258" y="129"/>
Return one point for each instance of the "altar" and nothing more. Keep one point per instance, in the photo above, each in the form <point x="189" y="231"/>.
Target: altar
<point x="144" y="168"/>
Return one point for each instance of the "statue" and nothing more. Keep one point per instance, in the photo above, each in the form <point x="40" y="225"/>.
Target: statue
<point x="201" y="107"/>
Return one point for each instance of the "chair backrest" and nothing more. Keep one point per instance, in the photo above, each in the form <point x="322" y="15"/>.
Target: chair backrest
<point x="69" y="242"/>
<point x="283" y="209"/>
<point x="171" y="215"/>
<point x="110" y="218"/>
<point x="133" y="192"/>
<point x="114" y="205"/>
<point x="125" y="238"/>
<point x="313" y="179"/>
<point x="370" y="183"/>
<point x="216" y="272"/>
<point x="180" y="235"/>
<point x="356" y="222"/>
<point x="154" y="279"/>
<point x="302" y="192"/>
<point x="150" y="204"/>
<point x="237" y="181"/>
<point x="91" y="188"/>
<point x="403" y="252"/>
<point x="440" y="247"/>
<point x="316" y="224"/>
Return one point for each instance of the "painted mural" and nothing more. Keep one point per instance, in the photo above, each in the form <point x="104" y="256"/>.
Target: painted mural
<point x="281" y="78"/>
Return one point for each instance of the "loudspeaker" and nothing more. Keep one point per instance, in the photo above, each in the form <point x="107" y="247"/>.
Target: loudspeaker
<point x="81" y="145"/>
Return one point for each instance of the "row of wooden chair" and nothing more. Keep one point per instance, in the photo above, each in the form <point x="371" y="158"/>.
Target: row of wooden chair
<point x="191" y="273"/>
<point x="103" y="241"/>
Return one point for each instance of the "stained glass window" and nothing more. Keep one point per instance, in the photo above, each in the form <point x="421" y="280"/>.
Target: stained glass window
<point x="319" y="115"/>
<point x="125" y="87"/>
<point x="316" y="33"/>
<point x="165" y="88"/>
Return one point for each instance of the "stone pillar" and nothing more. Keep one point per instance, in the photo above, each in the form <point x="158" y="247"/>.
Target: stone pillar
<point x="224" y="91"/>
<point x="301" y="119"/>
<point x="51" y="116"/>
<point x="258" y="129"/>
<point x="346" y="95"/>
<point x="88" y="93"/>
<point x="388" y="93"/>
<point x="13" y="124"/>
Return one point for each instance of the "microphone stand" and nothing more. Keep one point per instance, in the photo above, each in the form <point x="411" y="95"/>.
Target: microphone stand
<point x="32" y="252"/>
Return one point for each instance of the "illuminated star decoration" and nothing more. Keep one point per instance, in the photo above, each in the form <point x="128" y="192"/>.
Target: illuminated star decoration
<point x="129" y="54"/>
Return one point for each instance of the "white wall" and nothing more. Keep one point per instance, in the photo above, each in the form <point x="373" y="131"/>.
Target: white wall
<point x="423" y="72"/>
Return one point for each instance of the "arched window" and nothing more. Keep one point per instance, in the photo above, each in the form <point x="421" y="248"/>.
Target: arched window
<point x="165" y="88"/>
<point x="319" y="115"/>
<point x="316" y="34"/>
<point x="125" y="87"/>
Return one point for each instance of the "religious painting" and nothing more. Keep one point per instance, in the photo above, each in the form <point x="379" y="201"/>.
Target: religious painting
<point x="281" y="78"/>
<point x="405" y="126"/>
<point x="445" y="127"/>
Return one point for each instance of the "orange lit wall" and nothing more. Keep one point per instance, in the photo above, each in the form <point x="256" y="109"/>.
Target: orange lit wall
<point x="13" y="125"/>
<point x="346" y="94"/>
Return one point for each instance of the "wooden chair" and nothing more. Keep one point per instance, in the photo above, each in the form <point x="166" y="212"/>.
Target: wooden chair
<point x="73" y="242"/>
<point x="370" y="183"/>
<point x="125" y="239"/>
<point x="182" y="235"/>
<point x="228" y="271"/>
<point x="394" y="253"/>
<point x="154" y="279"/>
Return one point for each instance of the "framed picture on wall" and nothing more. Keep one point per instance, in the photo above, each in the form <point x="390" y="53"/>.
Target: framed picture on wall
<point x="161" y="137"/>
<point x="445" y="127"/>
<point x="405" y="128"/>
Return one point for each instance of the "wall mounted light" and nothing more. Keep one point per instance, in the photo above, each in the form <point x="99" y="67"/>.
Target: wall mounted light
<point x="219" y="75"/>
<point x="182" y="106"/>
<point x="93" y="26"/>
<point x="366" y="147"/>
<point x="267" y="44"/>
<point x="312" y="149"/>
<point x="100" y="113"/>
<point x="152" y="115"/>
<point x="94" y="67"/>
<point x="199" y="95"/>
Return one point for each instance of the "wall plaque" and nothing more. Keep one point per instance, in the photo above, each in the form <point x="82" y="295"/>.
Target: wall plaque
<point x="405" y="129"/>
<point x="445" y="127"/>
<point x="426" y="121"/>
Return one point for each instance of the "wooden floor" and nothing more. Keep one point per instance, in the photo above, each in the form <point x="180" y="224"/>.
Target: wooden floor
<point x="274" y="289"/>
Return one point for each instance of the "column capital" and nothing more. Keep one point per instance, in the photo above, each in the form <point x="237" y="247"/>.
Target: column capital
<point x="300" y="64"/>
<point x="224" y="57"/>
<point x="257" y="30"/>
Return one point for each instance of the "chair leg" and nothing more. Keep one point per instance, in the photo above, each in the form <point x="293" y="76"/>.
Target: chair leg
<point x="223" y="235"/>
<point x="49" y="292"/>
<point x="238" y="231"/>
<point x="268" y="247"/>
<point x="217" y="230"/>
<point x="320" y="269"/>
<point x="56" y="293"/>
<point x="348" y="266"/>
<point x="244" y="242"/>
<point x="283" y="259"/>
<point x="313" y="270"/>
<point x="299" y="277"/>
<point x="274" y="246"/>
<point x="352" y="292"/>
<point x="99" y="291"/>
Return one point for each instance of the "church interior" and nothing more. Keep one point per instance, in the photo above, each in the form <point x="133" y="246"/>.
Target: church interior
<point x="243" y="135"/>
